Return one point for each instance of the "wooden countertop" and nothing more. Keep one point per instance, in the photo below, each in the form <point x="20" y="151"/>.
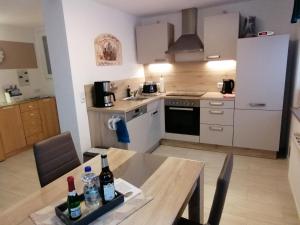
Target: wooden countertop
<point x="23" y="101"/>
<point x="172" y="182"/>
<point x="123" y="106"/>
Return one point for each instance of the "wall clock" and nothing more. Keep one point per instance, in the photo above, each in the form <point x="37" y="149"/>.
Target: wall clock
<point x="2" y="55"/>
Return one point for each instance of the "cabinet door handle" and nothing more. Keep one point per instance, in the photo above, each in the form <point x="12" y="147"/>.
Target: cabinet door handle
<point x="159" y="60"/>
<point x="216" y="103"/>
<point x="213" y="57"/>
<point x="257" y="104"/>
<point x="216" y="112"/>
<point x="213" y="128"/>
<point x="8" y="107"/>
<point x="154" y="113"/>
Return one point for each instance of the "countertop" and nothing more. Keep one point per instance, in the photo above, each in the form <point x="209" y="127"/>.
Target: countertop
<point x="4" y="104"/>
<point x="123" y="106"/>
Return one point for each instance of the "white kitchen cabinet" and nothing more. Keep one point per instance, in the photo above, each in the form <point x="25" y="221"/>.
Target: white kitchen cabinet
<point x="145" y="130"/>
<point x="257" y="129"/>
<point x="261" y="72"/>
<point x="221" y="33"/>
<point x="216" y="134"/>
<point x="153" y="41"/>
<point x="216" y="122"/>
<point x="294" y="161"/>
<point x="216" y="116"/>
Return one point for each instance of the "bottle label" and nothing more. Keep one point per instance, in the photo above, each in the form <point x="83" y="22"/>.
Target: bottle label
<point x="109" y="192"/>
<point x="75" y="212"/>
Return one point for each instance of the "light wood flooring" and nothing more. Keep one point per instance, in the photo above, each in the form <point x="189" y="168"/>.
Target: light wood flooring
<point x="259" y="192"/>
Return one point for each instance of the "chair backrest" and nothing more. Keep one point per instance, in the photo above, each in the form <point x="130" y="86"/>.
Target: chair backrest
<point x="55" y="157"/>
<point x="221" y="191"/>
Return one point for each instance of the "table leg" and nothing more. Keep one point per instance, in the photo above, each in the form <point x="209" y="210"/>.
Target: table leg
<point x="196" y="203"/>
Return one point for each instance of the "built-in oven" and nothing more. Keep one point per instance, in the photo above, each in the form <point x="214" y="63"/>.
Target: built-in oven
<point x="182" y="116"/>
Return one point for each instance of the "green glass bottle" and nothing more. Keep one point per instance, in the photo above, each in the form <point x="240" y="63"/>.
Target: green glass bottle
<point x="73" y="200"/>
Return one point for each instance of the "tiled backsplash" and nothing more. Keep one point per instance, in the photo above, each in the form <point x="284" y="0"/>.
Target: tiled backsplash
<point x="192" y="76"/>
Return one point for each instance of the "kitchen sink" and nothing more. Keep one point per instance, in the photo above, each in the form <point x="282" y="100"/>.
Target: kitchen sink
<point x="138" y="98"/>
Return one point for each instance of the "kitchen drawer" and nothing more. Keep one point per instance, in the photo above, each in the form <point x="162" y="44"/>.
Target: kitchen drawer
<point x="217" y="104"/>
<point x="24" y="107"/>
<point x="216" y="116"/>
<point x="32" y="127"/>
<point x="29" y="115"/>
<point x="216" y="134"/>
<point x="32" y="139"/>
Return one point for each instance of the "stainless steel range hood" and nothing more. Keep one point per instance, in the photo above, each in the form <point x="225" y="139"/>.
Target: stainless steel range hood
<point x="189" y="40"/>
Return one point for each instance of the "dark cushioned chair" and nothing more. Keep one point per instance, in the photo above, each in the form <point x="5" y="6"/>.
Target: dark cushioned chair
<point x="55" y="157"/>
<point x="219" y="197"/>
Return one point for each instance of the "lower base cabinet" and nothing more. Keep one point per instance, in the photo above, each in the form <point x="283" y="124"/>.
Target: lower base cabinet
<point x="216" y="134"/>
<point x="257" y="129"/>
<point x="24" y="124"/>
<point x="11" y="130"/>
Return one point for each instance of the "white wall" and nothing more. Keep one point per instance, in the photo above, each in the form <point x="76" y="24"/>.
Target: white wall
<point x="272" y="15"/>
<point x="39" y="84"/>
<point x="83" y="22"/>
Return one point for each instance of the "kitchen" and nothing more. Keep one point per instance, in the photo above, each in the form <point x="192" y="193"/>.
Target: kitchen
<point x="187" y="76"/>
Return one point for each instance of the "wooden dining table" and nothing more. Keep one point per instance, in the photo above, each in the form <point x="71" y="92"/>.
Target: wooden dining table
<point x="174" y="184"/>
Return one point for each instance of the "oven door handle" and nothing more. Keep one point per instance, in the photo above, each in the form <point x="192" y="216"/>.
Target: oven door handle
<point x="181" y="109"/>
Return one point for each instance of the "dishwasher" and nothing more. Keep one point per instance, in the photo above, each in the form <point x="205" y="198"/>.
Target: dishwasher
<point x="136" y="121"/>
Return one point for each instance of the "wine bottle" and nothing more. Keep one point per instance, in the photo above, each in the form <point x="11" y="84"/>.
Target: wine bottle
<point x="106" y="178"/>
<point x="73" y="200"/>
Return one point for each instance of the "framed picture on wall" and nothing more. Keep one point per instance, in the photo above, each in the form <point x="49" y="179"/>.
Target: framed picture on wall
<point x="108" y="50"/>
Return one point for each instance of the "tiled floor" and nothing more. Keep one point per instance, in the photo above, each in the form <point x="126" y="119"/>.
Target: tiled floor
<point x="259" y="192"/>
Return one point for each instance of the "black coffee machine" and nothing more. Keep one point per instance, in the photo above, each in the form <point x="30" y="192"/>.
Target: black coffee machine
<point x="228" y="86"/>
<point x="103" y="95"/>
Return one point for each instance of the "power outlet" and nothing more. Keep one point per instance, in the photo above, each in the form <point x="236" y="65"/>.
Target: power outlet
<point x="82" y="97"/>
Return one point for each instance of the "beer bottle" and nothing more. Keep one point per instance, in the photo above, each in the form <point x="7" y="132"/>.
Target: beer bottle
<point x="73" y="200"/>
<point x="106" y="178"/>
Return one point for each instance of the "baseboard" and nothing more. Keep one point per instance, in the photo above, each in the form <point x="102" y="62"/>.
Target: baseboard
<point x="219" y="148"/>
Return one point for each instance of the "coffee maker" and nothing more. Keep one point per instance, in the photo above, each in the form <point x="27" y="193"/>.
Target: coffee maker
<point x="102" y="94"/>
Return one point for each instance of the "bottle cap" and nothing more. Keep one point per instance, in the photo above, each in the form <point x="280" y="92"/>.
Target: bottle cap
<point x="87" y="169"/>
<point x="103" y="156"/>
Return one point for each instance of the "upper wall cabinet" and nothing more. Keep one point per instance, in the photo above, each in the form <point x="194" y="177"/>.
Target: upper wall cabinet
<point x="153" y="41"/>
<point x="221" y="33"/>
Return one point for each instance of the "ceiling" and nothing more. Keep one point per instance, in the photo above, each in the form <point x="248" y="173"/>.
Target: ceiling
<point x="26" y="13"/>
<point x="154" y="7"/>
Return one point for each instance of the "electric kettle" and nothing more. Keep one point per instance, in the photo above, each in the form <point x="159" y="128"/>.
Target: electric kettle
<point x="228" y="85"/>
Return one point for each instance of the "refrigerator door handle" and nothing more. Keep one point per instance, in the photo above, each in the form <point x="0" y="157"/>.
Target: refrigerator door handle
<point x="257" y="104"/>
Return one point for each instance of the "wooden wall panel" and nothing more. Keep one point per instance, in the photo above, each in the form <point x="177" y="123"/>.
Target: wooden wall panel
<point x="191" y="76"/>
<point x="18" y="55"/>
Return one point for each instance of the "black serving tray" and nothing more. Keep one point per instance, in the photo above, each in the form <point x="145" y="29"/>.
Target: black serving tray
<point x="87" y="215"/>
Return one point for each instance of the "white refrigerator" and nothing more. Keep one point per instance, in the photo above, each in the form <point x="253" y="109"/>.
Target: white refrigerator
<point x="260" y="83"/>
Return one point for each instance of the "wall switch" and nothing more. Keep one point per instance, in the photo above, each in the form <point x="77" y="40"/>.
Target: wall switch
<point x="219" y="85"/>
<point x="82" y="97"/>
